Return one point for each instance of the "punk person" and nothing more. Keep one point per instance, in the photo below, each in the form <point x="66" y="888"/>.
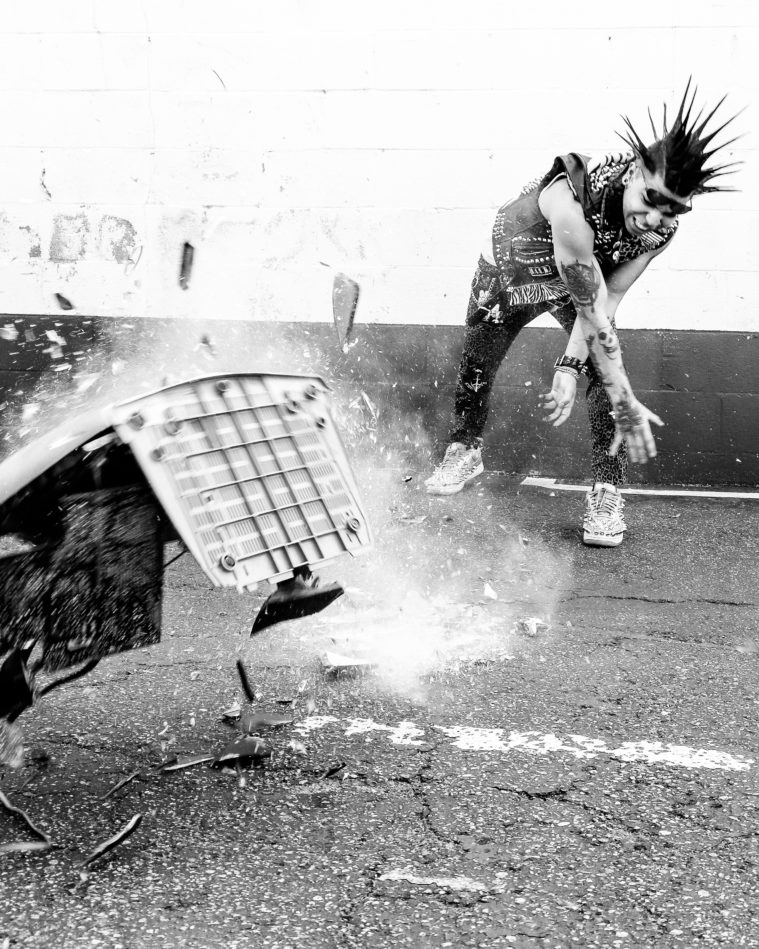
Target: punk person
<point x="572" y="243"/>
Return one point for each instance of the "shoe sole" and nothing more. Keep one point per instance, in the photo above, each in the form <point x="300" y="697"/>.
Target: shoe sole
<point x="602" y="540"/>
<point x="455" y="488"/>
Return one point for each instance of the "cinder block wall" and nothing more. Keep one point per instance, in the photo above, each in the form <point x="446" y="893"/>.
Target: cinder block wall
<point x="276" y="138"/>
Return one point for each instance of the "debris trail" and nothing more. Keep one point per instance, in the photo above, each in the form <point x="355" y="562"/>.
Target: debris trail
<point x="107" y="845"/>
<point x="24" y="846"/>
<point x="120" y="784"/>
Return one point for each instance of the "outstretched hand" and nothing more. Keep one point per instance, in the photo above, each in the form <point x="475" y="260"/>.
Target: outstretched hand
<point x="632" y="420"/>
<point x="560" y="400"/>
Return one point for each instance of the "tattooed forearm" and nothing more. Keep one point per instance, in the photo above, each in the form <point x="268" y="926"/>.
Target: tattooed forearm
<point x="583" y="282"/>
<point x="609" y="342"/>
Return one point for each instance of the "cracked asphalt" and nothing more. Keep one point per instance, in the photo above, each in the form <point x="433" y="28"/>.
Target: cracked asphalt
<point x="568" y="819"/>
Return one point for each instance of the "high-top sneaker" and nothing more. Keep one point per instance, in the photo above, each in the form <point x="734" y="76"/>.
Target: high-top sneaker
<point x="603" y="524"/>
<point x="459" y="465"/>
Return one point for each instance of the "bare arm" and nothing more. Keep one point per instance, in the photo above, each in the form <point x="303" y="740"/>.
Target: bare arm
<point x="618" y="283"/>
<point x="573" y="251"/>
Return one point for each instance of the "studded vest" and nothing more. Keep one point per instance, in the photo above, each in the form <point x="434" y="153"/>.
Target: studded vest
<point x="522" y="238"/>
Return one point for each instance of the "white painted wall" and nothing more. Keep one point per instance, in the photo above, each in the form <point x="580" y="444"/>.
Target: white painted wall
<point x="377" y="138"/>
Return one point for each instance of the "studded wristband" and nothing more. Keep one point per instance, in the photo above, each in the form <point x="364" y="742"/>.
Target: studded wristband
<point x="572" y="363"/>
<point x="569" y="372"/>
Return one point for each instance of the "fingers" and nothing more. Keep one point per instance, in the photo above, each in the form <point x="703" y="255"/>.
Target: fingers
<point x="559" y="409"/>
<point x="640" y="444"/>
<point x="638" y="438"/>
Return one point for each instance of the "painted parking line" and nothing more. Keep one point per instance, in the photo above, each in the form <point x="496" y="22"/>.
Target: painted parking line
<point x="553" y="485"/>
<point x="501" y="740"/>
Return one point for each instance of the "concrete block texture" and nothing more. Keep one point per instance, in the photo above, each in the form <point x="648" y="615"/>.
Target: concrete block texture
<point x="394" y="389"/>
<point x="378" y="139"/>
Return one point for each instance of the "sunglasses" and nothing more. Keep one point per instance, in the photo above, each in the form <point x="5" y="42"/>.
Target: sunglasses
<point x="656" y="199"/>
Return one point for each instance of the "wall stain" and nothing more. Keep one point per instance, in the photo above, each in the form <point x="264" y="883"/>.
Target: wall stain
<point x="69" y="237"/>
<point x="118" y="239"/>
<point x="35" y="246"/>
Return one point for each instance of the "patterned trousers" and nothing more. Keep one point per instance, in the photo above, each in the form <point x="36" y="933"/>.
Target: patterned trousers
<point x="491" y="328"/>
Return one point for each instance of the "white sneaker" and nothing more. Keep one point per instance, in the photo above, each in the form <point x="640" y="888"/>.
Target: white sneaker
<point x="603" y="524"/>
<point x="460" y="465"/>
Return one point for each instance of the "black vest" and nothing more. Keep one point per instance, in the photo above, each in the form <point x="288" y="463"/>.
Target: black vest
<point x="522" y="238"/>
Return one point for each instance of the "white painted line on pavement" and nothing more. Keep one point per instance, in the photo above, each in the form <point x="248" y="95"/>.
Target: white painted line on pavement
<point x="653" y="752"/>
<point x="468" y="738"/>
<point x="657" y="492"/>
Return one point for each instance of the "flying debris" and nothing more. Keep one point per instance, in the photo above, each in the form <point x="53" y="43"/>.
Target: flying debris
<point x="345" y="294"/>
<point x="247" y="471"/>
<point x="63" y="302"/>
<point x="185" y="266"/>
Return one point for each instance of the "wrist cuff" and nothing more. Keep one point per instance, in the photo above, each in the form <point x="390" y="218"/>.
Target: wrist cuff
<point x="573" y="363"/>
<point x="567" y="370"/>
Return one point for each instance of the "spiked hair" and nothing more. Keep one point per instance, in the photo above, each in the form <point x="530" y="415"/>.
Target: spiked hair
<point x="680" y="153"/>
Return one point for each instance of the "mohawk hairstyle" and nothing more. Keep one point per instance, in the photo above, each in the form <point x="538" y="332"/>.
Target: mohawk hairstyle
<point x="680" y="153"/>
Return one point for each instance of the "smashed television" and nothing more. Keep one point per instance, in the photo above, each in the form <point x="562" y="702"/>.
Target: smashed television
<point x="246" y="471"/>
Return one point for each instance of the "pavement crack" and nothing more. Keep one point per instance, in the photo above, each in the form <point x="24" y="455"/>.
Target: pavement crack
<point x="555" y="794"/>
<point x="348" y="912"/>
<point x="573" y="595"/>
<point x="419" y="783"/>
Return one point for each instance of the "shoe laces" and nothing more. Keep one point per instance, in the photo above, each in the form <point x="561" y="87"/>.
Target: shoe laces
<point x="607" y="504"/>
<point x="453" y="456"/>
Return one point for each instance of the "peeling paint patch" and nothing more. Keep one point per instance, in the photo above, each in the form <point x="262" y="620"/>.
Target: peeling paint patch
<point x="18" y="241"/>
<point x="448" y="883"/>
<point x="118" y="239"/>
<point x="35" y="247"/>
<point x="69" y="237"/>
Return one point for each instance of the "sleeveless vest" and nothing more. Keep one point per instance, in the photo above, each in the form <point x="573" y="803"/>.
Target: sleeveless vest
<point x="522" y="238"/>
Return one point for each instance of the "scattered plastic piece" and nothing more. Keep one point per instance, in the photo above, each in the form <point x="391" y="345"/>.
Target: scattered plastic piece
<point x="748" y="647"/>
<point x="207" y="346"/>
<point x="250" y="694"/>
<point x="243" y="750"/>
<point x="189" y="761"/>
<point x="16" y="688"/>
<point x="251" y="721"/>
<point x="335" y="664"/>
<point x="345" y="294"/>
<point x="11" y="745"/>
<point x="295" y="598"/>
<point x="489" y="592"/>
<point x="63" y="302"/>
<point x="24" y="846"/>
<point x="232" y="713"/>
<point x="118" y="838"/>
<point x="185" y="268"/>
<point x="120" y="784"/>
<point x="530" y="626"/>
